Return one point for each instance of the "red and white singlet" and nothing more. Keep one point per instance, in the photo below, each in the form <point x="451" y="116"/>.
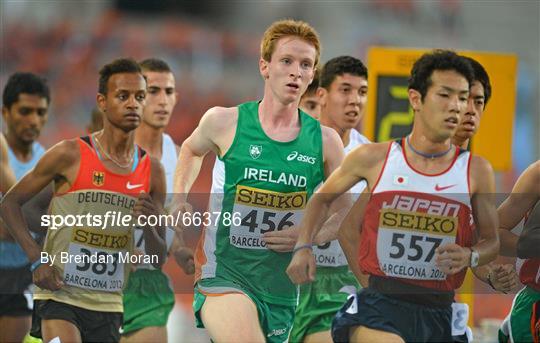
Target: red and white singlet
<point x="410" y="214"/>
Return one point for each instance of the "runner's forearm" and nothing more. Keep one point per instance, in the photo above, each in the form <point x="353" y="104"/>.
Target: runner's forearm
<point x="154" y="244"/>
<point x="187" y="170"/>
<point x="528" y="244"/>
<point x="316" y="211"/>
<point x="337" y="213"/>
<point x="12" y="216"/>
<point x="508" y="241"/>
<point x="349" y="240"/>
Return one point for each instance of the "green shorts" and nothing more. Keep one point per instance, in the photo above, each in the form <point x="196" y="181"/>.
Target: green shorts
<point x="148" y="300"/>
<point x="321" y="299"/>
<point x="275" y="319"/>
<point x="518" y="325"/>
<point x="31" y="339"/>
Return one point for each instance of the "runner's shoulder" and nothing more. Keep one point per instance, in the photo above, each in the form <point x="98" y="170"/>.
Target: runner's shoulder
<point x="480" y="166"/>
<point x="218" y="118"/>
<point x="155" y="163"/>
<point x="66" y="152"/>
<point x="368" y="155"/>
<point x="330" y="135"/>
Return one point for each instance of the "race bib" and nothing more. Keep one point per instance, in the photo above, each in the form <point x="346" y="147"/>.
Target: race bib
<point x="95" y="260"/>
<point x="262" y="211"/>
<point x="93" y="268"/>
<point x="406" y="243"/>
<point x="460" y="317"/>
<point x="353" y="307"/>
<point x="329" y="255"/>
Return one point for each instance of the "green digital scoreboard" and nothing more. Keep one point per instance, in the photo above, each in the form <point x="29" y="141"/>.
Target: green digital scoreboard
<point x="394" y="116"/>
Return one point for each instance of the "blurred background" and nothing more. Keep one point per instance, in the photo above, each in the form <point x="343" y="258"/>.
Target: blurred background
<point x="213" y="48"/>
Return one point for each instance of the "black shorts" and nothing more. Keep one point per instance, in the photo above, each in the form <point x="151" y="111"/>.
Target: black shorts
<point x="14" y="282"/>
<point x="94" y="326"/>
<point x="412" y="322"/>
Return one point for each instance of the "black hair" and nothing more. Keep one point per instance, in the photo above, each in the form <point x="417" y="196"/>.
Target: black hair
<point x="481" y="75"/>
<point x="121" y="65"/>
<point x="155" y="64"/>
<point x="27" y="83"/>
<point x="423" y="68"/>
<point x="341" y="65"/>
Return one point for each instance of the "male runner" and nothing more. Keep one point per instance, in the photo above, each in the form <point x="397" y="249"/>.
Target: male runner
<point x="523" y="322"/>
<point x="148" y="297"/>
<point x="7" y="177"/>
<point x="480" y="92"/>
<point x="500" y="277"/>
<point x="274" y="157"/>
<point x="26" y="100"/>
<point x="103" y="178"/>
<point x="310" y="102"/>
<point x="343" y="96"/>
<point x="416" y="238"/>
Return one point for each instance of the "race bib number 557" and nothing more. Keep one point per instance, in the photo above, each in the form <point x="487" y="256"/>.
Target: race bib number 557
<point x="263" y="211"/>
<point x="406" y="243"/>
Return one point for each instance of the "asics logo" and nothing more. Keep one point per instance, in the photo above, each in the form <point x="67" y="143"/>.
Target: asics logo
<point x="292" y="155"/>
<point x="301" y="158"/>
<point x="277" y="332"/>
<point x="130" y="186"/>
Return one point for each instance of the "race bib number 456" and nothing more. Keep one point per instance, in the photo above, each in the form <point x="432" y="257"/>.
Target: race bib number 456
<point x="263" y="211"/>
<point x="406" y="243"/>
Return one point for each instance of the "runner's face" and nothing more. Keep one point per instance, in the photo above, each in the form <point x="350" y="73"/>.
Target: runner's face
<point x="470" y="122"/>
<point x="345" y="100"/>
<point x="291" y="69"/>
<point x="26" y="117"/>
<point x="444" y="103"/>
<point x="123" y="105"/>
<point x="311" y="104"/>
<point x="160" y="99"/>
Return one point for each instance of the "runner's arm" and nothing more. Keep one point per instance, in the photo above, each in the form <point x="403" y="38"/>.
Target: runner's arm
<point x="152" y="205"/>
<point x="193" y="150"/>
<point x="527" y="245"/>
<point x="7" y="178"/>
<point x="515" y="207"/>
<point x="484" y="210"/>
<point x="349" y="236"/>
<point x="452" y="258"/>
<point x="357" y="164"/>
<point x="501" y="277"/>
<point x="183" y="254"/>
<point x="50" y="167"/>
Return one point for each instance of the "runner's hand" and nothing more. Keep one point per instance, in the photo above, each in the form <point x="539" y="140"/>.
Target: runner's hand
<point x="47" y="277"/>
<point x="452" y="258"/>
<point x="184" y="257"/>
<point x="302" y="267"/>
<point x="144" y="206"/>
<point x="504" y="278"/>
<point x="281" y="240"/>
